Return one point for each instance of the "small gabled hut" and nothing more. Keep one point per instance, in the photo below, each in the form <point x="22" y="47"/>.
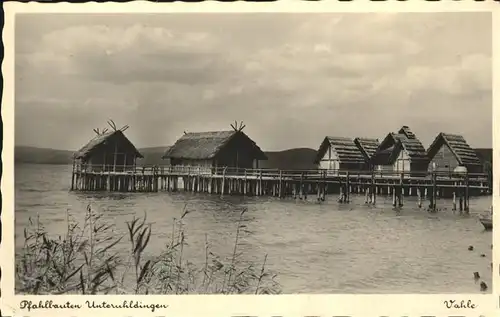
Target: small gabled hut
<point x="401" y="152"/>
<point x="206" y="150"/>
<point x="448" y="151"/>
<point x="340" y="154"/>
<point x="368" y="147"/>
<point x="108" y="152"/>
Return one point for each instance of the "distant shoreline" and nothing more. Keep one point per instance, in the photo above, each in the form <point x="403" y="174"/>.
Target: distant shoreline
<point x="41" y="163"/>
<point x="296" y="158"/>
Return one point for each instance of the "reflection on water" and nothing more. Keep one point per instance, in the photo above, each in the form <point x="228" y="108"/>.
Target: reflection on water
<point x="314" y="248"/>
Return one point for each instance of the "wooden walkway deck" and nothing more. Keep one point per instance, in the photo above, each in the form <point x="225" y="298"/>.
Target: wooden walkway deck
<point x="285" y="183"/>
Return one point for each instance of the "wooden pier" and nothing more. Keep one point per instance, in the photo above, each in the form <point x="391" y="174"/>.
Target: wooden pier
<point x="301" y="184"/>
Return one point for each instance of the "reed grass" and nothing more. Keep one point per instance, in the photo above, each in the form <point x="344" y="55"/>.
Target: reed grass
<point x="86" y="261"/>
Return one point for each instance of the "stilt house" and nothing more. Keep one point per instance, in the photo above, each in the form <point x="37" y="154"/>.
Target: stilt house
<point x="401" y="152"/>
<point x="448" y="151"/>
<point x="340" y="154"/>
<point x="108" y="152"/>
<point x="208" y="150"/>
<point x="368" y="147"/>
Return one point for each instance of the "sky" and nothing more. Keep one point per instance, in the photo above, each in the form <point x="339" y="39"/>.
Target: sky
<point x="291" y="78"/>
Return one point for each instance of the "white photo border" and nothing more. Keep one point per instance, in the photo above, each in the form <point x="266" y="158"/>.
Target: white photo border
<point x="233" y="305"/>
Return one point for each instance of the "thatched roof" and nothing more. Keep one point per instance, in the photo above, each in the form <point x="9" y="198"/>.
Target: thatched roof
<point x="206" y="145"/>
<point x="464" y="154"/>
<point x="395" y="142"/>
<point x="367" y="146"/>
<point x="345" y="148"/>
<point x="413" y="146"/>
<point x="102" y="140"/>
<point x="407" y="132"/>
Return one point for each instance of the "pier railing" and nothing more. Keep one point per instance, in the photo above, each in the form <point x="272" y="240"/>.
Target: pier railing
<point x="282" y="183"/>
<point x="170" y="170"/>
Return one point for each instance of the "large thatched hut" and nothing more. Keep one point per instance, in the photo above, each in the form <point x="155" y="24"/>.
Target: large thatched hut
<point x="448" y="151"/>
<point x="208" y="150"/>
<point x="109" y="151"/>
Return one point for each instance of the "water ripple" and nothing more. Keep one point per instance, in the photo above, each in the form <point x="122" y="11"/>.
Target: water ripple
<point x="314" y="248"/>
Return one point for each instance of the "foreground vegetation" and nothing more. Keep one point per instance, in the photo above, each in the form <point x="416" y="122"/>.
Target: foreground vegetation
<point x="86" y="261"/>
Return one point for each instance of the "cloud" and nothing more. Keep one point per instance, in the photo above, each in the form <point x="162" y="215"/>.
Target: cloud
<point x="132" y="54"/>
<point x="345" y="74"/>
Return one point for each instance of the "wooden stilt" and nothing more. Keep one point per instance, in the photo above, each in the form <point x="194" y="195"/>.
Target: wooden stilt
<point x="401" y="190"/>
<point x="419" y="197"/>
<point x="73" y="175"/>
<point x="454" y="206"/>
<point x="341" y="193"/>
<point x="434" y="193"/>
<point x="223" y="182"/>
<point x="466" y="198"/>
<point x="394" y="197"/>
<point x="347" y="188"/>
<point x="374" y="189"/>
<point x="280" y="190"/>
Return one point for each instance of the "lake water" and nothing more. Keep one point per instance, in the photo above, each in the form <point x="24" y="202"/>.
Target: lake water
<point x="314" y="248"/>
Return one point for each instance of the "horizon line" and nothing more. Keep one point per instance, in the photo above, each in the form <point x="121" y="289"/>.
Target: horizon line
<point x="166" y="146"/>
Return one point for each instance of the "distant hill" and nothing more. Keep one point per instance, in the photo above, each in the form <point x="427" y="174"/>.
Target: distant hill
<point x="485" y="155"/>
<point x="299" y="158"/>
<point x="34" y="155"/>
<point x="153" y="155"/>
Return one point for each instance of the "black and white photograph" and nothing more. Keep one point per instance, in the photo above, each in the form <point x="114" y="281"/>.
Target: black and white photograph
<point x="253" y="153"/>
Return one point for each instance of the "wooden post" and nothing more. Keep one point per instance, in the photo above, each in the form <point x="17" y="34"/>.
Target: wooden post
<point x="318" y="191"/>
<point x="401" y="190"/>
<point x="73" y="175"/>
<point x="374" y="188"/>
<point x="394" y="196"/>
<point x="466" y="198"/>
<point x="347" y="188"/>
<point x="245" y="183"/>
<point x="155" y="178"/>
<point x="341" y="192"/>
<point x="260" y="183"/>
<point x="223" y="181"/>
<point x="461" y="197"/>
<point x="301" y="185"/>
<point x="434" y="192"/>
<point x="280" y="191"/>
<point x="358" y="189"/>
<point x="325" y="186"/>
<point x="454" y="206"/>
<point x="306" y="185"/>
<point x="367" y="194"/>
<point x="198" y="181"/>
<point x="419" y="197"/>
